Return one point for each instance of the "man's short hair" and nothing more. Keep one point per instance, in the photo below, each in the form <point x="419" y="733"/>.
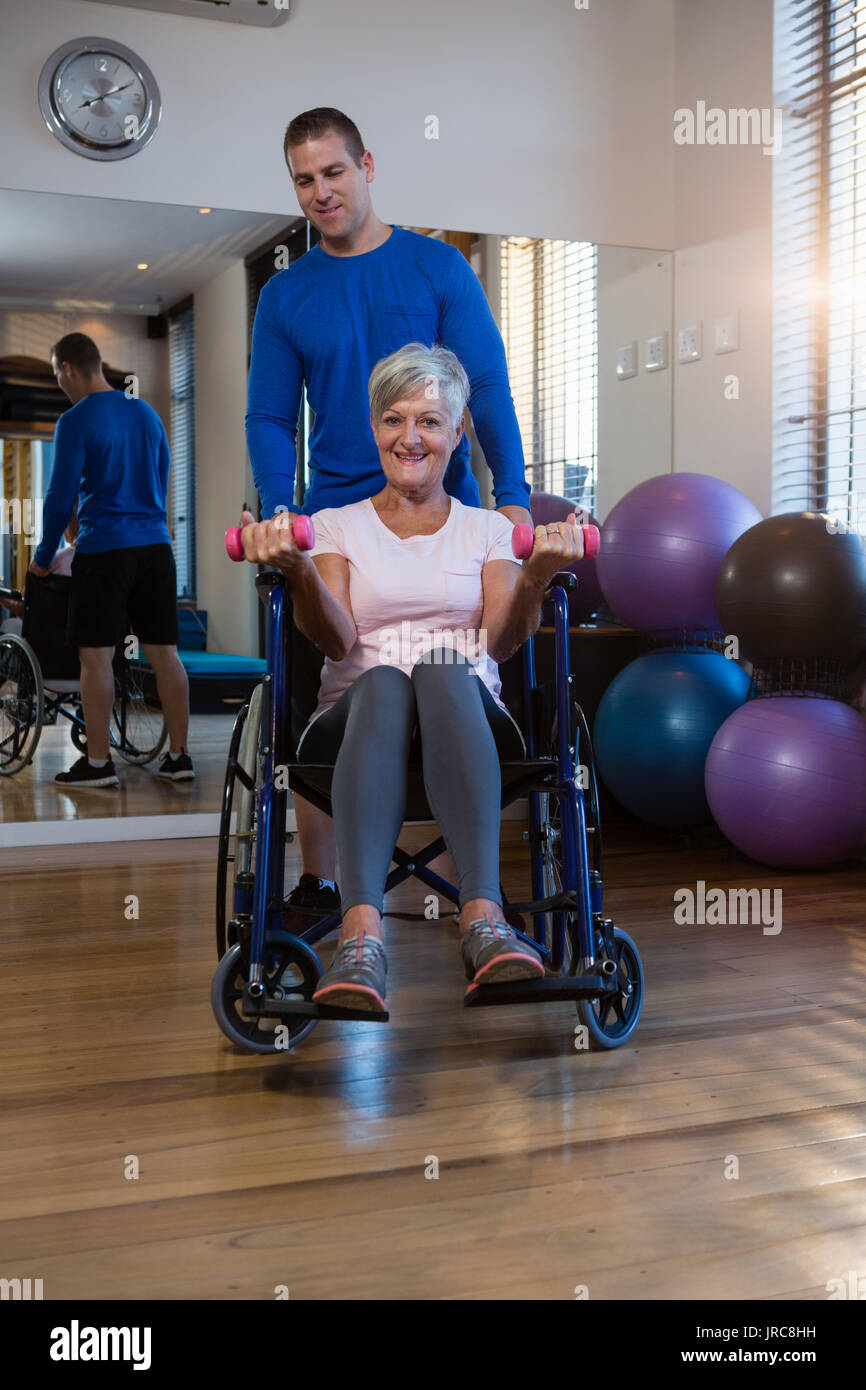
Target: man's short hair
<point x="312" y="125"/>
<point x="79" y="351"/>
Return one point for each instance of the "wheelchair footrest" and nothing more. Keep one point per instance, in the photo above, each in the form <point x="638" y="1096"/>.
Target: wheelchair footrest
<point x="306" y="1008"/>
<point x="544" y="991"/>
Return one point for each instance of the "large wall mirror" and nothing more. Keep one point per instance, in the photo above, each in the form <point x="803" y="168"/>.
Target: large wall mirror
<point x="168" y="293"/>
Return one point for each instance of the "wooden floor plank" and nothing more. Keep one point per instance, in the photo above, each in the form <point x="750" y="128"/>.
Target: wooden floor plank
<point x="557" y="1168"/>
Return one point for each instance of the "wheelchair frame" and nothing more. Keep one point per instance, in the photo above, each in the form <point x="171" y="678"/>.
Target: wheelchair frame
<point x="45" y="700"/>
<point x="604" y="967"/>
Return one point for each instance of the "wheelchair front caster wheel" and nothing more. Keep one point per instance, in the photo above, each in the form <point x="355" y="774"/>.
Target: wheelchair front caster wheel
<point x="293" y="970"/>
<point x="610" y="1021"/>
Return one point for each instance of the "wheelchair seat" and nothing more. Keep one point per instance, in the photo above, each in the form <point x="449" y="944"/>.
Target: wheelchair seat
<point x="46" y="607"/>
<point x="517" y="779"/>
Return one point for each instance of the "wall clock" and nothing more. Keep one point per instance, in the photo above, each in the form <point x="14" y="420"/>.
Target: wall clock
<point x="99" y="99"/>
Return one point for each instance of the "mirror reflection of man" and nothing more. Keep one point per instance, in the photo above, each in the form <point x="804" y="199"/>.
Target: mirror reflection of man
<point x="110" y="481"/>
<point x="365" y="290"/>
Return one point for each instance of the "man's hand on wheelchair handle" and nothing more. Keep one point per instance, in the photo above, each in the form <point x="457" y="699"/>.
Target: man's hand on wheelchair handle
<point x="38" y="570"/>
<point x="272" y="543"/>
<point x="557" y="546"/>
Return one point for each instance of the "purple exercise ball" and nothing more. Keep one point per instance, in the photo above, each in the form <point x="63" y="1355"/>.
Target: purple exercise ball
<point x="786" y="781"/>
<point x="664" y="543"/>
<point x="587" y="598"/>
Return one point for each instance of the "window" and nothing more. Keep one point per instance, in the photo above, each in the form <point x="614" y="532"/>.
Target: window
<point x="819" y="405"/>
<point x="181" y="501"/>
<point x="550" y="329"/>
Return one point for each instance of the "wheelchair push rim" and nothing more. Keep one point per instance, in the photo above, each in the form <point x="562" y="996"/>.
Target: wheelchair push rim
<point x="138" y="729"/>
<point x="22" y="704"/>
<point x="236" y="848"/>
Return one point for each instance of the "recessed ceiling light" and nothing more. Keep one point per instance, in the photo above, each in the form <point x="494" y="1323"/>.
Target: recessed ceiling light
<point x="142" y="265"/>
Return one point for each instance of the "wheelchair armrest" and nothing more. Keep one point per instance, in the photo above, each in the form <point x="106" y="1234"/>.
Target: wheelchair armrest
<point x="564" y="579"/>
<point x="266" y="580"/>
<point x="12" y="594"/>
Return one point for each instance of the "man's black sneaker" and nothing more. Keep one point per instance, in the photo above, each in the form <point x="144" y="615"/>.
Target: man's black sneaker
<point x="177" y="769"/>
<point x="81" y="774"/>
<point x="309" y="901"/>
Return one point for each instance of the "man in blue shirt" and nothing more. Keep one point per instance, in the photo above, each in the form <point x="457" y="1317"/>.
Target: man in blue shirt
<point x="365" y="290"/>
<point x="111" y="455"/>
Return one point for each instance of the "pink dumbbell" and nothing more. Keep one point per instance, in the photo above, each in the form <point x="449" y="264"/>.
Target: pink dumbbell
<point x="523" y="540"/>
<point x="302" y="530"/>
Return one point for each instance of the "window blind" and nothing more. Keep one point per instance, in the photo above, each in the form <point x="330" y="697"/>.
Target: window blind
<point x="550" y="329"/>
<point x="819" y="212"/>
<point x="181" y="499"/>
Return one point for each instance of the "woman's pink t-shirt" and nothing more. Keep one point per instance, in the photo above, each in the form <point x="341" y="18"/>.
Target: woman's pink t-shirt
<point x="409" y="596"/>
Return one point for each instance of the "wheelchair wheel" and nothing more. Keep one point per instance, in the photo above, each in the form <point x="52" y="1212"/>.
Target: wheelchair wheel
<point x="138" y="730"/>
<point x="78" y="736"/>
<point x="292" y="970"/>
<point x="22" y="704"/>
<point x="236" y="850"/>
<point x="551" y="818"/>
<point x="611" y="1022"/>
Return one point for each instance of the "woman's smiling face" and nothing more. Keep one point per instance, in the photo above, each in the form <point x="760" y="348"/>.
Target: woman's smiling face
<point x="416" y="439"/>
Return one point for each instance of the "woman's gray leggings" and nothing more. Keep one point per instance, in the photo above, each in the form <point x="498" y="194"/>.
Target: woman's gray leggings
<point x="368" y="731"/>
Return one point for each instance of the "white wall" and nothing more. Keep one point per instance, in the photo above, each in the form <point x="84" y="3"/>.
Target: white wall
<point x="724" y="56"/>
<point x="223" y="480"/>
<point x="634" y="414"/>
<point x="553" y="121"/>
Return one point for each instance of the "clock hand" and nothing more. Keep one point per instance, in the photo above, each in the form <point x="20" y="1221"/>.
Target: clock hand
<point x="103" y="95"/>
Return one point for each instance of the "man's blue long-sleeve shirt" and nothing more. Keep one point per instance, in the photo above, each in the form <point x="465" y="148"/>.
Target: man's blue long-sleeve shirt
<point x="328" y="320"/>
<point x="111" y="453"/>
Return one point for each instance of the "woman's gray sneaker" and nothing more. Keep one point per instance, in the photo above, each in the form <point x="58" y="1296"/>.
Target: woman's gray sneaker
<point x="493" y="953"/>
<point x="356" y="977"/>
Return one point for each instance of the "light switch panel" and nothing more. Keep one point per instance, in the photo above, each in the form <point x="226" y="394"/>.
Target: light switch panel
<point x="656" y="352"/>
<point x="691" y="347"/>
<point x="727" y="333"/>
<point x="626" y="361"/>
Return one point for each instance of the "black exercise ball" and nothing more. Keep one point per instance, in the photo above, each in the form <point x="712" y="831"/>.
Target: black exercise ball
<point x="795" y="586"/>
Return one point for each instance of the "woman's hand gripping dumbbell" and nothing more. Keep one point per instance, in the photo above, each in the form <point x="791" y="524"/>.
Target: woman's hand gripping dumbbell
<point x="545" y="550"/>
<point x="281" y="541"/>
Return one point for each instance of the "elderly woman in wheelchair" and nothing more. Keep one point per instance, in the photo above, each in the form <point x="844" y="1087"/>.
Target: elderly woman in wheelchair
<point x="414" y="598"/>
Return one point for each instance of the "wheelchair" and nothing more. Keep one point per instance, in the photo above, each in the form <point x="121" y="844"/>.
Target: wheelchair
<point x="40" y="682"/>
<point x="262" y="990"/>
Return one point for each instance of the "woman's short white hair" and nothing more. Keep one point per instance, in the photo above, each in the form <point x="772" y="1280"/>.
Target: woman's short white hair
<point x="414" y="367"/>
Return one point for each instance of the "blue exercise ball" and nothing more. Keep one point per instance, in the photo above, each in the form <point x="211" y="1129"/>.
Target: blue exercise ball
<point x="654" y="727"/>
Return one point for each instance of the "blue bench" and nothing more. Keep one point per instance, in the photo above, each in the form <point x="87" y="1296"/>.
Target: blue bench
<point x="216" y="679"/>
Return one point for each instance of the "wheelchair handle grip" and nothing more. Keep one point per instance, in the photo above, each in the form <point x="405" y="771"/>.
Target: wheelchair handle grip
<point x="302" y="530"/>
<point x="523" y="541"/>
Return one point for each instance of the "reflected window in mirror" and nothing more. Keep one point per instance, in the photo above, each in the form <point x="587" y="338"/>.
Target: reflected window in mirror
<point x="549" y="323"/>
<point x="181" y="499"/>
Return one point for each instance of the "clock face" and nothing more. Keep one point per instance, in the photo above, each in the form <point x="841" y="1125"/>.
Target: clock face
<point x="99" y="99"/>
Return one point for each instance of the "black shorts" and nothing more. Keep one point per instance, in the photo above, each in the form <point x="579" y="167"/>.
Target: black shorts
<point x="117" y="591"/>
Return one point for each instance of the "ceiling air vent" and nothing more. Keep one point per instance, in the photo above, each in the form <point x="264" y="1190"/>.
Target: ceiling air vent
<point x="264" y="13"/>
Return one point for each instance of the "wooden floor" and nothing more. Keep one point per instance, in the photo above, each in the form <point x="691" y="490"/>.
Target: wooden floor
<point x="557" y="1168"/>
<point x="32" y="794"/>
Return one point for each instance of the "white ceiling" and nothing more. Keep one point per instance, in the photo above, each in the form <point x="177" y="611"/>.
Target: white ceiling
<point x="53" y="245"/>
